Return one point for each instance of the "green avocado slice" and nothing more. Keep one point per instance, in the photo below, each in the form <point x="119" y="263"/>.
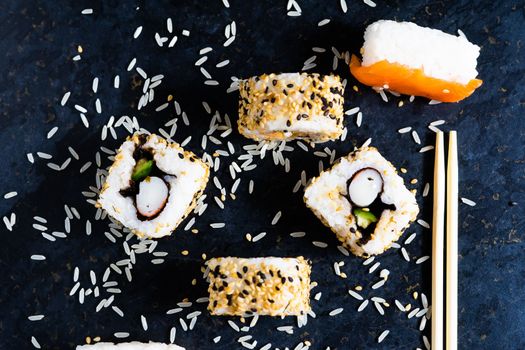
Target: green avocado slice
<point x="364" y="218"/>
<point x="142" y="169"/>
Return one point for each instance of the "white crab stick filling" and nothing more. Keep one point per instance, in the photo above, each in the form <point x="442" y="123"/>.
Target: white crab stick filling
<point x="152" y="196"/>
<point x="365" y="187"/>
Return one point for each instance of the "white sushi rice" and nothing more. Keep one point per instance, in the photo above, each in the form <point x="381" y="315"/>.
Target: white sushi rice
<point x="438" y="54"/>
<point x="326" y="196"/>
<point x="186" y="180"/>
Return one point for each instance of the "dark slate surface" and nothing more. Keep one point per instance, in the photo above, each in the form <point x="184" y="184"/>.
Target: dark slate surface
<point x="38" y="41"/>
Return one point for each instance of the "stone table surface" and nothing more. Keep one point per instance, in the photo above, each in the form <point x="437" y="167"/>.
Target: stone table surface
<point x="39" y="41"/>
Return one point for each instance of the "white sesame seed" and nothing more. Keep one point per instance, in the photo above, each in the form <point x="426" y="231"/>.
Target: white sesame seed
<point x="323" y="22"/>
<point x="38" y="257"/>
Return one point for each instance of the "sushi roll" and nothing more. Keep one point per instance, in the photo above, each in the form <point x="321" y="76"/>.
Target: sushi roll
<point x="291" y="106"/>
<point x="152" y="185"/>
<point x="419" y="61"/>
<point x="263" y="286"/>
<point x="135" y="345"/>
<point x="364" y="201"/>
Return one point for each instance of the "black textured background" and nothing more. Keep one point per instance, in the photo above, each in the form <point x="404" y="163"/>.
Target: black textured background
<point x="37" y="42"/>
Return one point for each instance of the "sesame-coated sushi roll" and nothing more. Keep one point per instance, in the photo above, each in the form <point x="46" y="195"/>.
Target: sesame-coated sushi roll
<point x="263" y="286"/>
<point x="135" y="345"/>
<point x="152" y="185"/>
<point x="420" y="61"/>
<point x="291" y="106"/>
<point x="364" y="201"/>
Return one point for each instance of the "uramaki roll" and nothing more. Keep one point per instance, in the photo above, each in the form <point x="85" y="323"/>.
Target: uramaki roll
<point x="152" y="185"/>
<point x="263" y="286"/>
<point x="364" y="201"/>
<point x="291" y="106"/>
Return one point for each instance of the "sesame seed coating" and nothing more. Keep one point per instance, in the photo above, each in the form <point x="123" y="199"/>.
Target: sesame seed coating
<point x="264" y="286"/>
<point x="291" y="106"/>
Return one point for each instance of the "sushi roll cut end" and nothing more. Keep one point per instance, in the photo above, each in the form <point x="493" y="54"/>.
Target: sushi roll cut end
<point x="291" y="106"/>
<point x="259" y="286"/>
<point x="364" y="202"/>
<point x="152" y="185"/>
<point x="419" y="61"/>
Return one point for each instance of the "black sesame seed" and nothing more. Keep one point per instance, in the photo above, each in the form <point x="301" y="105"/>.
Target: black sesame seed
<point x="290" y="86"/>
<point x="288" y="123"/>
<point x="274" y="82"/>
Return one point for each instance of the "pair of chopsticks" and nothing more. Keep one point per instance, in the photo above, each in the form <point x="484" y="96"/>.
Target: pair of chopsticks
<point x="440" y="274"/>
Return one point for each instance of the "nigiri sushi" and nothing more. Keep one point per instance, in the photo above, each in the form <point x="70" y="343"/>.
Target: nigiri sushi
<point x="152" y="185"/>
<point x="291" y="106"/>
<point x="364" y="202"/>
<point x="263" y="286"/>
<point x="419" y="61"/>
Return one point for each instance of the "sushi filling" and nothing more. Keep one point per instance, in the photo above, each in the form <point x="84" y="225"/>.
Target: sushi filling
<point x="364" y="193"/>
<point x="148" y="185"/>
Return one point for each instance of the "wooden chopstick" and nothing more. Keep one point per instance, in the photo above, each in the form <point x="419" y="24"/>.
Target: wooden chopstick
<point x="438" y="221"/>
<point x="451" y="322"/>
